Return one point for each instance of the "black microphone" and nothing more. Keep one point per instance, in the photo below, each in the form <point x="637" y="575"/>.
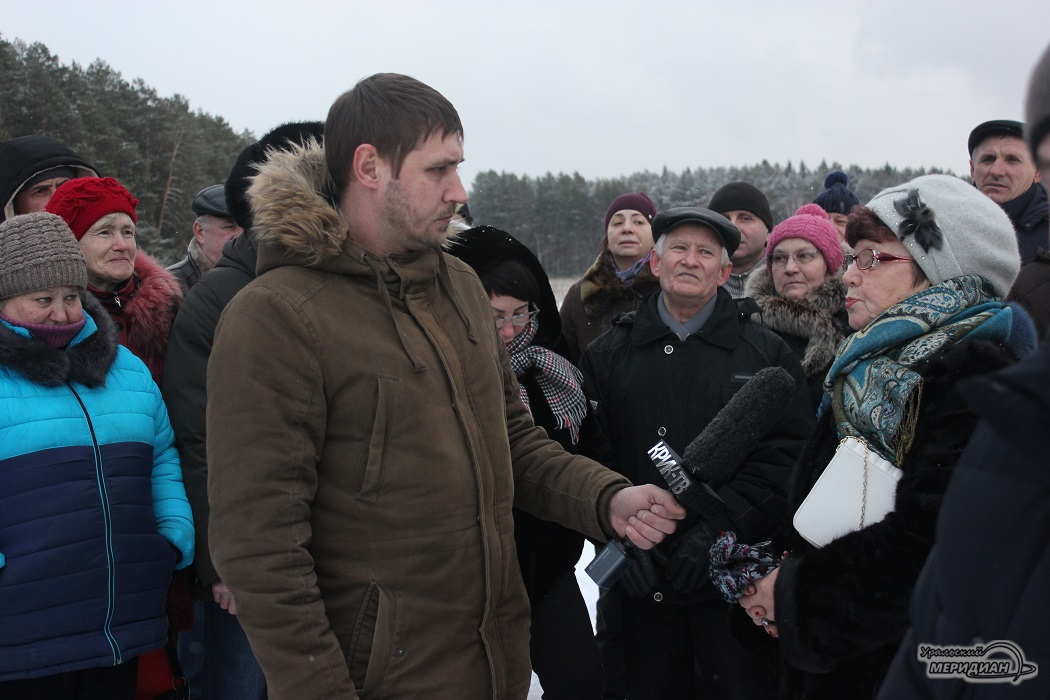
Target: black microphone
<point x="715" y="456"/>
<point x="712" y="459"/>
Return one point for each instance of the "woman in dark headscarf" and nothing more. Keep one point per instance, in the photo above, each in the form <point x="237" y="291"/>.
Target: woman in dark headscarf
<point x="526" y="316"/>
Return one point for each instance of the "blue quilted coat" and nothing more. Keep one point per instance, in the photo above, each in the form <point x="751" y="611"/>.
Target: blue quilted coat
<point x="93" y="515"/>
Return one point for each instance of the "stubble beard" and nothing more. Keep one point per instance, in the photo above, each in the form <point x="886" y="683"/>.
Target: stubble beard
<point x="412" y="230"/>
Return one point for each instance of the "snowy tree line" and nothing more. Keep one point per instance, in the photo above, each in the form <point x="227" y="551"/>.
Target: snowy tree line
<point x="164" y="152"/>
<point x="560" y="216"/>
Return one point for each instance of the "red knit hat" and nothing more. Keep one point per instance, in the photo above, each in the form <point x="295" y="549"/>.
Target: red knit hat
<point x="84" y="201"/>
<point x="810" y="223"/>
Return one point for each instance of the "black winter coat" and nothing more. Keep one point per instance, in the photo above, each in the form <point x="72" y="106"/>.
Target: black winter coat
<point x="185" y="384"/>
<point x="841" y="610"/>
<point x="546" y="550"/>
<point x="649" y="386"/>
<point x="988" y="574"/>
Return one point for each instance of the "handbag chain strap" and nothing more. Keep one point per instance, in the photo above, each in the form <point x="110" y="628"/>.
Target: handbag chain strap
<point x="864" y="484"/>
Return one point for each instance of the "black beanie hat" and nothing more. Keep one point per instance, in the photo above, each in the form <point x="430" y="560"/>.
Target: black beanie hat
<point x="837" y="197"/>
<point x="244" y="169"/>
<point x="741" y="196"/>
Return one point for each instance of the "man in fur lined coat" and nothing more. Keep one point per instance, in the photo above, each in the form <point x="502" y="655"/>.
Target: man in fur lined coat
<point x="362" y="517"/>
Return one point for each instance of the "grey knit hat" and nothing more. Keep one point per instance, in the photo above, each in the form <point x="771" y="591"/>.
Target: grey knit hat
<point x="38" y="251"/>
<point x="951" y="229"/>
<point x="1037" y="103"/>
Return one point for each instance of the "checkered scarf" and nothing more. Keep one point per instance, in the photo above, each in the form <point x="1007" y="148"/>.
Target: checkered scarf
<point x="560" y="382"/>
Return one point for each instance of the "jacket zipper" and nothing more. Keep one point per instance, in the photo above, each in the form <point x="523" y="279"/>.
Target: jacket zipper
<point x="108" y="518"/>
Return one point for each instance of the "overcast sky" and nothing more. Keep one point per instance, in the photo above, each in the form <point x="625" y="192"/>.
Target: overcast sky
<point x="601" y="88"/>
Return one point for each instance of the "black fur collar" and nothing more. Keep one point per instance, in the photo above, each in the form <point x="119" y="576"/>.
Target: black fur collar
<point x="87" y="362"/>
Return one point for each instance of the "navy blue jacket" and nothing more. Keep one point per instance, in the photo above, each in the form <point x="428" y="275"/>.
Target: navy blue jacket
<point x="988" y="574"/>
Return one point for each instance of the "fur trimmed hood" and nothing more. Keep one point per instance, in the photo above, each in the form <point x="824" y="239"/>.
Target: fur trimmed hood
<point x="600" y="288"/>
<point x="294" y="211"/>
<point x="818" y="317"/>
<point x="86" y="362"/>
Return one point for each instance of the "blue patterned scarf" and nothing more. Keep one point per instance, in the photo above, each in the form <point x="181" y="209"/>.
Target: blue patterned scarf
<point x="627" y="276"/>
<point x="874" y="381"/>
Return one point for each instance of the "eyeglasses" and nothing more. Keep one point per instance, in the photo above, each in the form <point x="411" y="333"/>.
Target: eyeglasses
<point x="868" y="258"/>
<point x="802" y="257"/>
<point x="517" y="319"/>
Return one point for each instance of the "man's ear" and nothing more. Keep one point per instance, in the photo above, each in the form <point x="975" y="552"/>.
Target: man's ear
<point x="725" y="273"/>
<point x="366" y="166"/>
<point x="654" y="262"/>
<point x="198" y="231"/>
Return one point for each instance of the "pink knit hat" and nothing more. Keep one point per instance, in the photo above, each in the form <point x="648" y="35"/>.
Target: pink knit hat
<point x="810" y="223"/>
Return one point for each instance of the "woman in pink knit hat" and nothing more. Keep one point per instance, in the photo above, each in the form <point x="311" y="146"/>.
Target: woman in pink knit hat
<point x="800" y="293"/>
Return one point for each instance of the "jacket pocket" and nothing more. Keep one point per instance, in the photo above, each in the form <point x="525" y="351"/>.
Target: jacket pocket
<point x="736" y="381"/>
<point x="387" y="402"/>
<point x="371" y="642"/>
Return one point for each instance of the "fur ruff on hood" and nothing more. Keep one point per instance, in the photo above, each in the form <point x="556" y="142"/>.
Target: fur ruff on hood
<point x="600" y="288"/>
<point x="817" y="316"/>
<point x="87" y="362"/>
<point x="292" y="206"/>
<point x="297" y="223"/>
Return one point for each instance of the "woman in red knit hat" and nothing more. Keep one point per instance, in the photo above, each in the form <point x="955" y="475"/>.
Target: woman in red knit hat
<point x="139" y="294"/>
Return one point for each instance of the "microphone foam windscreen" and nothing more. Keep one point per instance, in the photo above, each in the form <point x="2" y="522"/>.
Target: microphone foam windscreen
<point x="715" y="455"/>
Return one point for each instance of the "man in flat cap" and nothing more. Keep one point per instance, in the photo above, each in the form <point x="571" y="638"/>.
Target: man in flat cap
<point x="663" y="372"/>
<point x="31" y="169"/>
<point x="213" y="227"/>
<point x="1001" y="167"/>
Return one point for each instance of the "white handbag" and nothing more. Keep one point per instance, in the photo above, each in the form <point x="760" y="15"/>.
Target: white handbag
<point x="857" y="488"/>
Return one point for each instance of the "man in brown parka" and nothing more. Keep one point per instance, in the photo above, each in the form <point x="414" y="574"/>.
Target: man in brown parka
<point x="366" y="439"/>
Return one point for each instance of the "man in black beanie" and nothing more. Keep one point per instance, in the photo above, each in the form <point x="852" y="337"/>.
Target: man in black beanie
<point x="748" y="209"/>
<point x="1002" y="168"/>
<point x="31" y="169"/>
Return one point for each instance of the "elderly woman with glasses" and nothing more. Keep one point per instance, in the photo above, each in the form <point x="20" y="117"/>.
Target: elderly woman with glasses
<point x="564" y="655"/>
<point x="932" y="260"/>
<point x="799" y="292"/>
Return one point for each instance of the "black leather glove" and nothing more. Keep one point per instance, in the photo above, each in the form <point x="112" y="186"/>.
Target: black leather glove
<point x="688" y="569"/>
<point x="639" y="579"/>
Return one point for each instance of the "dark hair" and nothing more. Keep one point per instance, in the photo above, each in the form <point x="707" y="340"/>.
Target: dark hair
<point x="392" y="112"/>
<point x="511" y="278"/>
<point x="863" y="224"/>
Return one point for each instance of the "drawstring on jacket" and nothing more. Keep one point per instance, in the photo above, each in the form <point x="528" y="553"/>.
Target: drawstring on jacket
<point x="384" y="293"/>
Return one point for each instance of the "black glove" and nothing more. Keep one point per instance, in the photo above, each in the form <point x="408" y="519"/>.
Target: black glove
<point x="639" y="579"/>
<point x="688" y="569"/>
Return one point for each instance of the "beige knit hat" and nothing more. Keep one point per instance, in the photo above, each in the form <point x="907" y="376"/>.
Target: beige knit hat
<point x="38" y="251"/>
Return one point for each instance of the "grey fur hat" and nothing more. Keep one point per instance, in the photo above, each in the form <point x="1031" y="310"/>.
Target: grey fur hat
<point x="38" y="251"/>
<point x="951" y="229"/>
<point x="1037" y="103"/>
